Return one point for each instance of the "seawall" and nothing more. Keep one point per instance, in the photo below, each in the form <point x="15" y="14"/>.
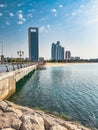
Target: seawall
<point x="8" y="80"/>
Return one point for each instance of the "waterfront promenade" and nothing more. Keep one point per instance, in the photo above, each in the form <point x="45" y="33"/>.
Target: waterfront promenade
<point x="8" y="80"/>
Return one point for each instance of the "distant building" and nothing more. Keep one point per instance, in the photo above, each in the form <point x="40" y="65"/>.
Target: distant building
<point x="1" y="58"/>
<point x="72" y="58"/>
<point x="67" y="55"/>
<point x="62" y="53"/>
<point x="58" y="47"/>
<point x="53" y="51"/>
<point x="77" y="58"/>
<point x="41" y="58"/>
<point x="57" y="51"/>
<point x="33" y="44"/>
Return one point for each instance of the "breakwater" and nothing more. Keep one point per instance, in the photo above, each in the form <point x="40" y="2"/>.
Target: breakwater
<point x="8" y="80"/>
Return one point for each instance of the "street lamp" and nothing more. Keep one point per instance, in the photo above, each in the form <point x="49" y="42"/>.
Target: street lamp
<point x="2" y="56"/>
<point x="20" y="53"/>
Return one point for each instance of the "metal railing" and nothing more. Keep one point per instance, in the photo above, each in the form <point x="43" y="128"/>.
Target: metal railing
<point x="13" y="67"/>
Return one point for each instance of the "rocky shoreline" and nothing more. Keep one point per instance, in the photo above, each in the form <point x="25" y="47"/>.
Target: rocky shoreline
<point x="16" y="117"/>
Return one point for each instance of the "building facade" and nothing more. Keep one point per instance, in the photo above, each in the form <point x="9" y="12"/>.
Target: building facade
<point x="63" y="53"/>
<point x="67" y="55"/>
<point x="53" y="51"/>
<point x="57" y="51"/>
<point x="33" y="38"/>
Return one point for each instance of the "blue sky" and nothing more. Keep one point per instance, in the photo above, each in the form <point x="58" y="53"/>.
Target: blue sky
<point x="73" y="22"/>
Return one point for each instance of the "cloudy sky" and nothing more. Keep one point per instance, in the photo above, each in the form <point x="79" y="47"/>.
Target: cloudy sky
<point x="73" y="22"/>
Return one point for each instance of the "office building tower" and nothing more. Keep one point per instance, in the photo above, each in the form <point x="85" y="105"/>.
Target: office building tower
<point x="53" y="51"/>
<point x="67" y="55"/>
<point x="33" y="44"/>
<point x="62" y="53"/>
<point x="57" y="51"/>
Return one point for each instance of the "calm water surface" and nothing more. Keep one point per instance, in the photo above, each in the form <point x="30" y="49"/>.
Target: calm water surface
<point x="70" y="90"/>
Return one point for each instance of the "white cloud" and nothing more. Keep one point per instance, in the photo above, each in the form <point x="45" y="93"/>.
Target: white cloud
<point x="1" y="14"/>
<point x="81" y="6"/>
<point x="60" y="6"/>
<point x="11" y="14"/>
<point x="46" y="28"/>
<point x="43" y="29"/>
<point x="78" y="11"/>
<point x="29" y="15"/>
<point x="20" y="22"/>
<point x="2" y="5"/>
<point x="7" y="23"/>
<point x="94" y="6"/>
<point x="73" y="13"/>
<point x="31" y="10"/>
<point x="54" y="11"/>
<point x="20" y="17"/>
<point x="20" y="11"/>
<point x="19" y="5"/>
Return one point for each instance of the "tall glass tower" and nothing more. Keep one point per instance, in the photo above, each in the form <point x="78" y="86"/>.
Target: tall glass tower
<point x="33" y="44"/>
<point x="57" y="51"/>
<point x="53" y="51"/>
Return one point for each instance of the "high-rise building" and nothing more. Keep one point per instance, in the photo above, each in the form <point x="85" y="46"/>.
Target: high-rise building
<point x="67" y="55"/>
<point x="58" y="47"/>
<point x="53" y="51"/>
<point x="57" y="51"/>
<point x="62" y="53"/>
<point x="33" y="44"/>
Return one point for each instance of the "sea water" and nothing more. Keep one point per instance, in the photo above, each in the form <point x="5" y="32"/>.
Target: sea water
<point x="70" y="90"/>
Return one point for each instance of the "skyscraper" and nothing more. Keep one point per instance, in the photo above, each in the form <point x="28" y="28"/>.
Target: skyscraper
<point x="53" y="51"/>
<point x="33" y="44"/>
<point x="67" y="55"/>
<point x="62" y="53"/>
<point x="57" y="51"/>
<point x="58" y="47"/>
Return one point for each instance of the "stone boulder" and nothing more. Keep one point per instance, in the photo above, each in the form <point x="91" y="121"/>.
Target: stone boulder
<point x="16" y="117"/>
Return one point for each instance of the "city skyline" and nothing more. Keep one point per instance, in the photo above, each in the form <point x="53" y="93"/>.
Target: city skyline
<point x="74" y="23"/>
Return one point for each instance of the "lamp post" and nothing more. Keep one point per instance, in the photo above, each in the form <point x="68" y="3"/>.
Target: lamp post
<point x="20" y="53"/>
<point x="2" y="56"/>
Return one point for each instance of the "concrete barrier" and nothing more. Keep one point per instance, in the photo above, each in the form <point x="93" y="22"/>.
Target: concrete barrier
<point x="8" y="80"/>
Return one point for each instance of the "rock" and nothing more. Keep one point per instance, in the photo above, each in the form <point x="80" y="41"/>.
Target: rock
<point x="10" y="120"/>
<point x="1" y="112"/>
<point x="71" y="126"/>
<point x="15" y="110"/>
<point x="10" y="104"/>
<point x="16" y="117"/>
<point x="34" y="122"/>
<point x="26" y="127"/>
<point x="7" y="129"/>
<point x="3" y="106"/>
<point x="58" y="127"/>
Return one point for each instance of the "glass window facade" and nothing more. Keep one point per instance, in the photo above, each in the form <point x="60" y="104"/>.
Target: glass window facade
<point x="33" y="44"/>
